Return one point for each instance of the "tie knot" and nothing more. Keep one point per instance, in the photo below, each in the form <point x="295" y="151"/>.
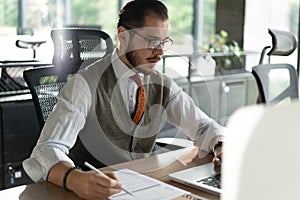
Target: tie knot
<point x="137" y="79"/>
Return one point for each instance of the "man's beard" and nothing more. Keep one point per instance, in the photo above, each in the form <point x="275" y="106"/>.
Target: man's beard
<point x="131" y="58"/>
<point x="136" y="62"/>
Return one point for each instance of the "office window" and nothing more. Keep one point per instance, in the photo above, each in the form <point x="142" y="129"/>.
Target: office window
<point x="209" y="19"/>
<point x="101" y="13"/>
<point x="38" y="17"/>
<point x="35" y="22"/>
<point x="181" y="15"/>
<point x="182" y="22"/>
<point x="8" y="17"/>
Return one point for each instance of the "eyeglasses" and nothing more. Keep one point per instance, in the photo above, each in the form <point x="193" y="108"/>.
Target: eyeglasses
<point x="155" y="43"/>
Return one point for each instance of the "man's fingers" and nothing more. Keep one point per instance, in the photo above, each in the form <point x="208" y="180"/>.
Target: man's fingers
<point x="112" y="175"/>
<point x="216" y="161"/>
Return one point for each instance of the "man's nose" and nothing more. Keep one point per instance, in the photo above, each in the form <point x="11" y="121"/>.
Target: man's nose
<point x="158" y="50"/>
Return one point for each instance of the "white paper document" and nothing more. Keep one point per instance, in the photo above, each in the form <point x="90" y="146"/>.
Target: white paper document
<point x="144" y="187"/>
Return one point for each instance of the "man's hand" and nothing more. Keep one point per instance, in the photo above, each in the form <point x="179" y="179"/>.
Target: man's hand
<point x="217" y="144"/>
<point x="217" y="151"/>
<point x="90" y="185"/>
<point x="87" y="185"/>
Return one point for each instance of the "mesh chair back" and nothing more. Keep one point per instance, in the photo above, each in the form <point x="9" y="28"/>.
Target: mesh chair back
<point x="73" y="46"/>
<point x="276" y="83"/>
<point x="44" y="84"/>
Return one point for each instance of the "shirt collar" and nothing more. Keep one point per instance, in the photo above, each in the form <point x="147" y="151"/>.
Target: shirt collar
<point x="121" y="70"/>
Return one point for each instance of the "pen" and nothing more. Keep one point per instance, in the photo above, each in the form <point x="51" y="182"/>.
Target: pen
<point x="102" y="174"/>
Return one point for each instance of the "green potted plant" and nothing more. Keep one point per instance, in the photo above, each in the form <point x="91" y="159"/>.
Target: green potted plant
<point x="226" y="52"/>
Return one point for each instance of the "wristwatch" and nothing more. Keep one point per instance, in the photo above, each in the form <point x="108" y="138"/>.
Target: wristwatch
<point x="218" y="144"/>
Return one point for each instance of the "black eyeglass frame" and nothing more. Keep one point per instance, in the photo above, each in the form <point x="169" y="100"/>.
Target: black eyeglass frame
<point x="156" y="42"/>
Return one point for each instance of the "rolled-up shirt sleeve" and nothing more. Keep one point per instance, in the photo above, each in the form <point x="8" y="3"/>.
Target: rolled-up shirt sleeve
<point x="61" y="129"/>
<point x="191" y="120"/>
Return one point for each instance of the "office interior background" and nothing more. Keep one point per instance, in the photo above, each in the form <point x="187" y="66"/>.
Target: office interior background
<point x="193" y="24"/>
<point x="246" y="21"/>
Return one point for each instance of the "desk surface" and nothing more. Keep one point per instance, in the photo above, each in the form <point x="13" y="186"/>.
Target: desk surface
<point x="156" y="166"/>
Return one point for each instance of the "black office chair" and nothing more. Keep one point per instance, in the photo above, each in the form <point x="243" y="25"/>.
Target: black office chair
<point x="44" y="84"/>
<point x="277" y="83"/>
<point x="77" y="46"/>
<point x="73" y="48"/>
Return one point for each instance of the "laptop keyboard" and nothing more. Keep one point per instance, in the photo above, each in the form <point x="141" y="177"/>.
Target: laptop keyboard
<point x="214" y="181"/>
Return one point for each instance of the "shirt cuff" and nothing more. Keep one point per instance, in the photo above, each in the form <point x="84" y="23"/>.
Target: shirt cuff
<point x="203" y="141"/>
<point x="40" y="163"/>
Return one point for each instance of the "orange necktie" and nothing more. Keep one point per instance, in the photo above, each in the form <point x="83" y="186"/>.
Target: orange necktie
<point x="141" y="99"/>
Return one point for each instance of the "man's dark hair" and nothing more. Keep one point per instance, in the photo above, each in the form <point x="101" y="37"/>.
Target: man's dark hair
<point x="134" y="12"/>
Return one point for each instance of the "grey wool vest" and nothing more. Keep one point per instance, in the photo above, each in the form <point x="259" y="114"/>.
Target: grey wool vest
<point x="116" y="121"/>
<point x="119" y="135"/>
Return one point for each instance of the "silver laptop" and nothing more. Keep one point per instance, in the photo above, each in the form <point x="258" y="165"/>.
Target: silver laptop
<point x="203" y="177"/>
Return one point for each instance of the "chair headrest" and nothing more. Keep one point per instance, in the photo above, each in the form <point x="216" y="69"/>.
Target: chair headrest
<point x="283" y="43"/>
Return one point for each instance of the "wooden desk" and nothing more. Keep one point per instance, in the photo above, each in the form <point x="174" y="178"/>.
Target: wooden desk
<point x="156" y="166"/>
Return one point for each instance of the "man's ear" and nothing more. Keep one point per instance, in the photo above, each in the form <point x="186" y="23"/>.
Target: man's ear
<point x="123" y="36"/>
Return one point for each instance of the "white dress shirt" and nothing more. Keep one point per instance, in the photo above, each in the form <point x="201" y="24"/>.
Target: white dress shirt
<point x="73" y="109"/>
